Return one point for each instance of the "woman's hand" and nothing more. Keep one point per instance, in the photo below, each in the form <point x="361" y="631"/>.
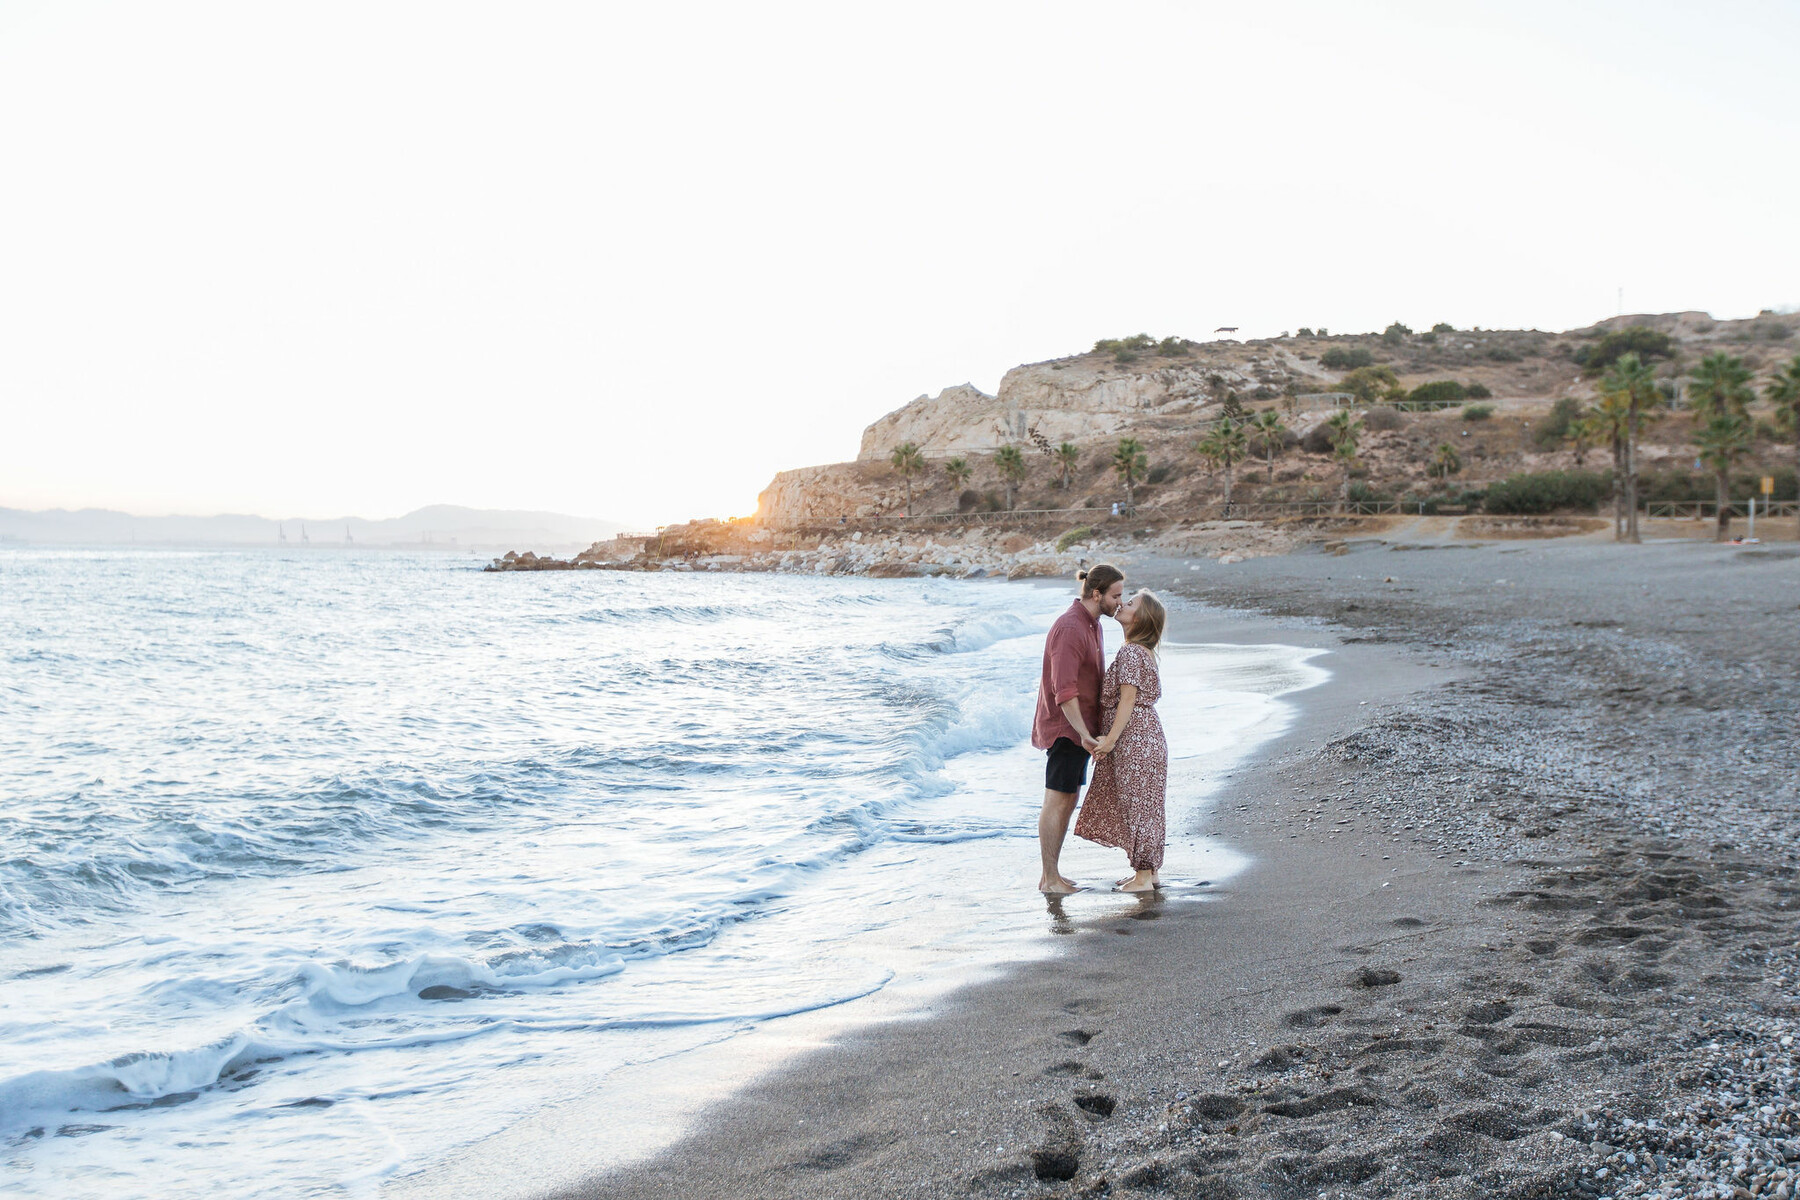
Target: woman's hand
<point x="1105" y="745"/>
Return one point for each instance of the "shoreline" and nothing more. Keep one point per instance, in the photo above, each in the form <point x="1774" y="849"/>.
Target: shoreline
<point x="939" y="951"/>
<point x="1570" y="983"/>
<point x="721" y="1155"/>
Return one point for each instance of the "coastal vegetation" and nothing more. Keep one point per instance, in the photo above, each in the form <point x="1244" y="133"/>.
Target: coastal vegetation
<point x="1070" y="538"/>
<point x="909" y="460"/>
<point x="1345" y="431"/>
<point x="957" y="470"/>
<point x="1346" y="358"/>
<point x="1068" y="457"/>
<point x="1722" y="441"/>
<point x="1268" y="434"/>
<point x="1629" y="388"/>
<point x="1536" y="492"/>
<point x="1010" y="463"/>
<point x="1225" y="444"/>
<point x="1129" y="462"/>
<point x="1644" y="342"/>
<point x="1783" y="392"/>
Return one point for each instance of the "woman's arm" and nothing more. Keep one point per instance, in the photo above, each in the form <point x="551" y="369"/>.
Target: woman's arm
<point x="1128" y="695"/>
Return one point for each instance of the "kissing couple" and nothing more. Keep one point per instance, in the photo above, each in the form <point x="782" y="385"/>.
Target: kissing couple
<point x="1087" y="710"/>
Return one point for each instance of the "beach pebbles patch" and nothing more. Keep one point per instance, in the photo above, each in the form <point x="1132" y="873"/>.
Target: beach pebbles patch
<point x="1487" y="1014"/>
<point x="1374" y="977"/>
<point x="1216" y="1106"/>
<point x="1098" y="1103"/>
<point x="1055" y="1163"/>
<point x="1324" y="1102"/>
<point x="1492" y="1122"/>
<point x="1310" y="1018"/>
<point x="1280" y="1058"/>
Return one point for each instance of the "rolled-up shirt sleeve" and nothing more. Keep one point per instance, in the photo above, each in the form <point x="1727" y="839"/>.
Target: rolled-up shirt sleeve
<point x="1065" y="666"/>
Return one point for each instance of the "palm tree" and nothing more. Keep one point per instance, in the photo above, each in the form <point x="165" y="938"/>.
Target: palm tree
<point x="1583" y="432"/>
<point x="1011" y="465"/>
<point x="1229" y="444"/>
<point x="958" y="470"/>
<point x="1722" y="442"/>
<point x="1270" y="435"/>
<point x="1784" y="393"/>
<point x="1445" y="463"/>
<point x="1068" y="457"/>
<point x="1611" y="418"/>
<point x="1129" y="462"/>
<point x="1720" y="386"/>
<point x="1634" y="382"/>
<point x="909" y="461"/>
<point x="1344" y="429"/>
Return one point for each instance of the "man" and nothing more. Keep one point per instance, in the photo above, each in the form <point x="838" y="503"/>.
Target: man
<point x="1068" y="712"/>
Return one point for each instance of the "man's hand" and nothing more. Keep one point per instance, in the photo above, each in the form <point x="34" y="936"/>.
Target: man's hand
<point x="1103" y="746"/>
<point x="1089" y="742"/>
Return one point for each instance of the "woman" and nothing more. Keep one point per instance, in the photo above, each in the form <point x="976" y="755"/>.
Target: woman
<point x="1124" y="805"/>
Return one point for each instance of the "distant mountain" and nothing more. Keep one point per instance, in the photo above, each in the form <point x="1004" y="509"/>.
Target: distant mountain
<point x="438" y="526"/>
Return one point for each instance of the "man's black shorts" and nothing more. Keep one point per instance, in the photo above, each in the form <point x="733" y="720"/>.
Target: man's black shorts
<point x="1066" y="769"/>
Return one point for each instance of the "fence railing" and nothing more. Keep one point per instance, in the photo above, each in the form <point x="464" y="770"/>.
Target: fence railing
<point x="1700" y="510"/>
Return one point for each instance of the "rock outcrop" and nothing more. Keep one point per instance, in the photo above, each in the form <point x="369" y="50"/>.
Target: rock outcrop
<point x="1072" y="399"/>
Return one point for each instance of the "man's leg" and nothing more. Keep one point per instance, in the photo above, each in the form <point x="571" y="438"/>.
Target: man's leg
<point x="1053" y="828"/>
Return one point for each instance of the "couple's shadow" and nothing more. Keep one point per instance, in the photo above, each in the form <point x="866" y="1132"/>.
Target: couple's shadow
<point x="1148" y="908"/>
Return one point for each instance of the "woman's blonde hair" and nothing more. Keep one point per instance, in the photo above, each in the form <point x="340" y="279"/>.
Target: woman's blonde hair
<point x="1147" y="626"/>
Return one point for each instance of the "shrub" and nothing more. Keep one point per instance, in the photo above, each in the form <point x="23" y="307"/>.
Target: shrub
<point x="1394" y="334"/>
<point x="1443" y="327"/>
<point x="1478" y="412"/>
<point x="1640" y="340"/>
<point x="1264" y="392"/>
<point x="1346" y="358"/>
<point x="1362" y="493"/>
<point x="1477" y="391"/>
<point x="1370" y="384"/>
<point x="1774" y="331"/>
<point x="1324" y="332"/>
<point x="1317" y="440"/>
<point x="1553" y="430"/>
<point x="1504" y="354"/>
<point x="1125" y="349"/>
<point x="1437" y="392"/>
<point x="1173" y="347"/>
<point x="1430" y="339"/>
<point x="1383" y="418"/>
<point x="1072" y="536"/>
<point x="1305" y="332"/>
<point x="1548" y="491"/>
<point x="1158" y="474"/>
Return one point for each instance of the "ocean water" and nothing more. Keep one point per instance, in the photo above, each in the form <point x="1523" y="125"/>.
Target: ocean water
<point x="319" y="869"/>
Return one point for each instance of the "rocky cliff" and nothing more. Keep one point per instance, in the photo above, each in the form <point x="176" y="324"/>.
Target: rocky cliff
<point x="1085" y="396"/>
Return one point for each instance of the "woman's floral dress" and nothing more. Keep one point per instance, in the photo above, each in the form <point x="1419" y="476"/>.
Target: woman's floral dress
<point x="1124" y="805"/>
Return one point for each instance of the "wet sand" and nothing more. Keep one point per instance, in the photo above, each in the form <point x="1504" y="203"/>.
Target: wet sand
<point x="1522" y="883"/>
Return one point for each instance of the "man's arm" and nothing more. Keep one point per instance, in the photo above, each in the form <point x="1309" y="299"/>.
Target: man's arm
<point x="1065" y="673"/>
<point x="1072" y="709"/>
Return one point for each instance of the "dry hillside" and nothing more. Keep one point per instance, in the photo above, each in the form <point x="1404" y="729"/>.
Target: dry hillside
<point x="1167" y="395"/>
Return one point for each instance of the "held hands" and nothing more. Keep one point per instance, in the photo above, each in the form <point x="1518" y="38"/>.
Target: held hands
<point x="1103" y="746"/>
<point x="1090" y="743"/>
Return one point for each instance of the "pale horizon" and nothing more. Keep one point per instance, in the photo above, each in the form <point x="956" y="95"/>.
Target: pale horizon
<point x="627" y="264"/>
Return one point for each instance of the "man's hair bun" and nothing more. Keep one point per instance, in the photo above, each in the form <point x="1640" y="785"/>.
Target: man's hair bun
<point x="1081" y="574"/>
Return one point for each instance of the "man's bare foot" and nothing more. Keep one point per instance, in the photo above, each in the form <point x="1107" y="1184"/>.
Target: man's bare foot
<point x="1143" y="881"/>
<point x="1067" y="882"/>
<point x="1058" y="886"/>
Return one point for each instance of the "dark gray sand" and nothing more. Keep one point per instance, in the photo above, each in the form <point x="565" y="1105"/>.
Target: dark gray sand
<point x="1520" y="922"/>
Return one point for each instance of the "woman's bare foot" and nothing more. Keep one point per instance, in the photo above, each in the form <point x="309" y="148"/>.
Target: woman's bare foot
<point x="1060" y="886"/>
<point x="1143" y="881"/>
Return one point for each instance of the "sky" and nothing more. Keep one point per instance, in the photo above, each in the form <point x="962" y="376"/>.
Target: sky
<point x="627" y="261"/>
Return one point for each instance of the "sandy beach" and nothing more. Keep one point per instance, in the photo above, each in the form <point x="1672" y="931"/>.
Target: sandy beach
<point x="1519" y="922"/>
